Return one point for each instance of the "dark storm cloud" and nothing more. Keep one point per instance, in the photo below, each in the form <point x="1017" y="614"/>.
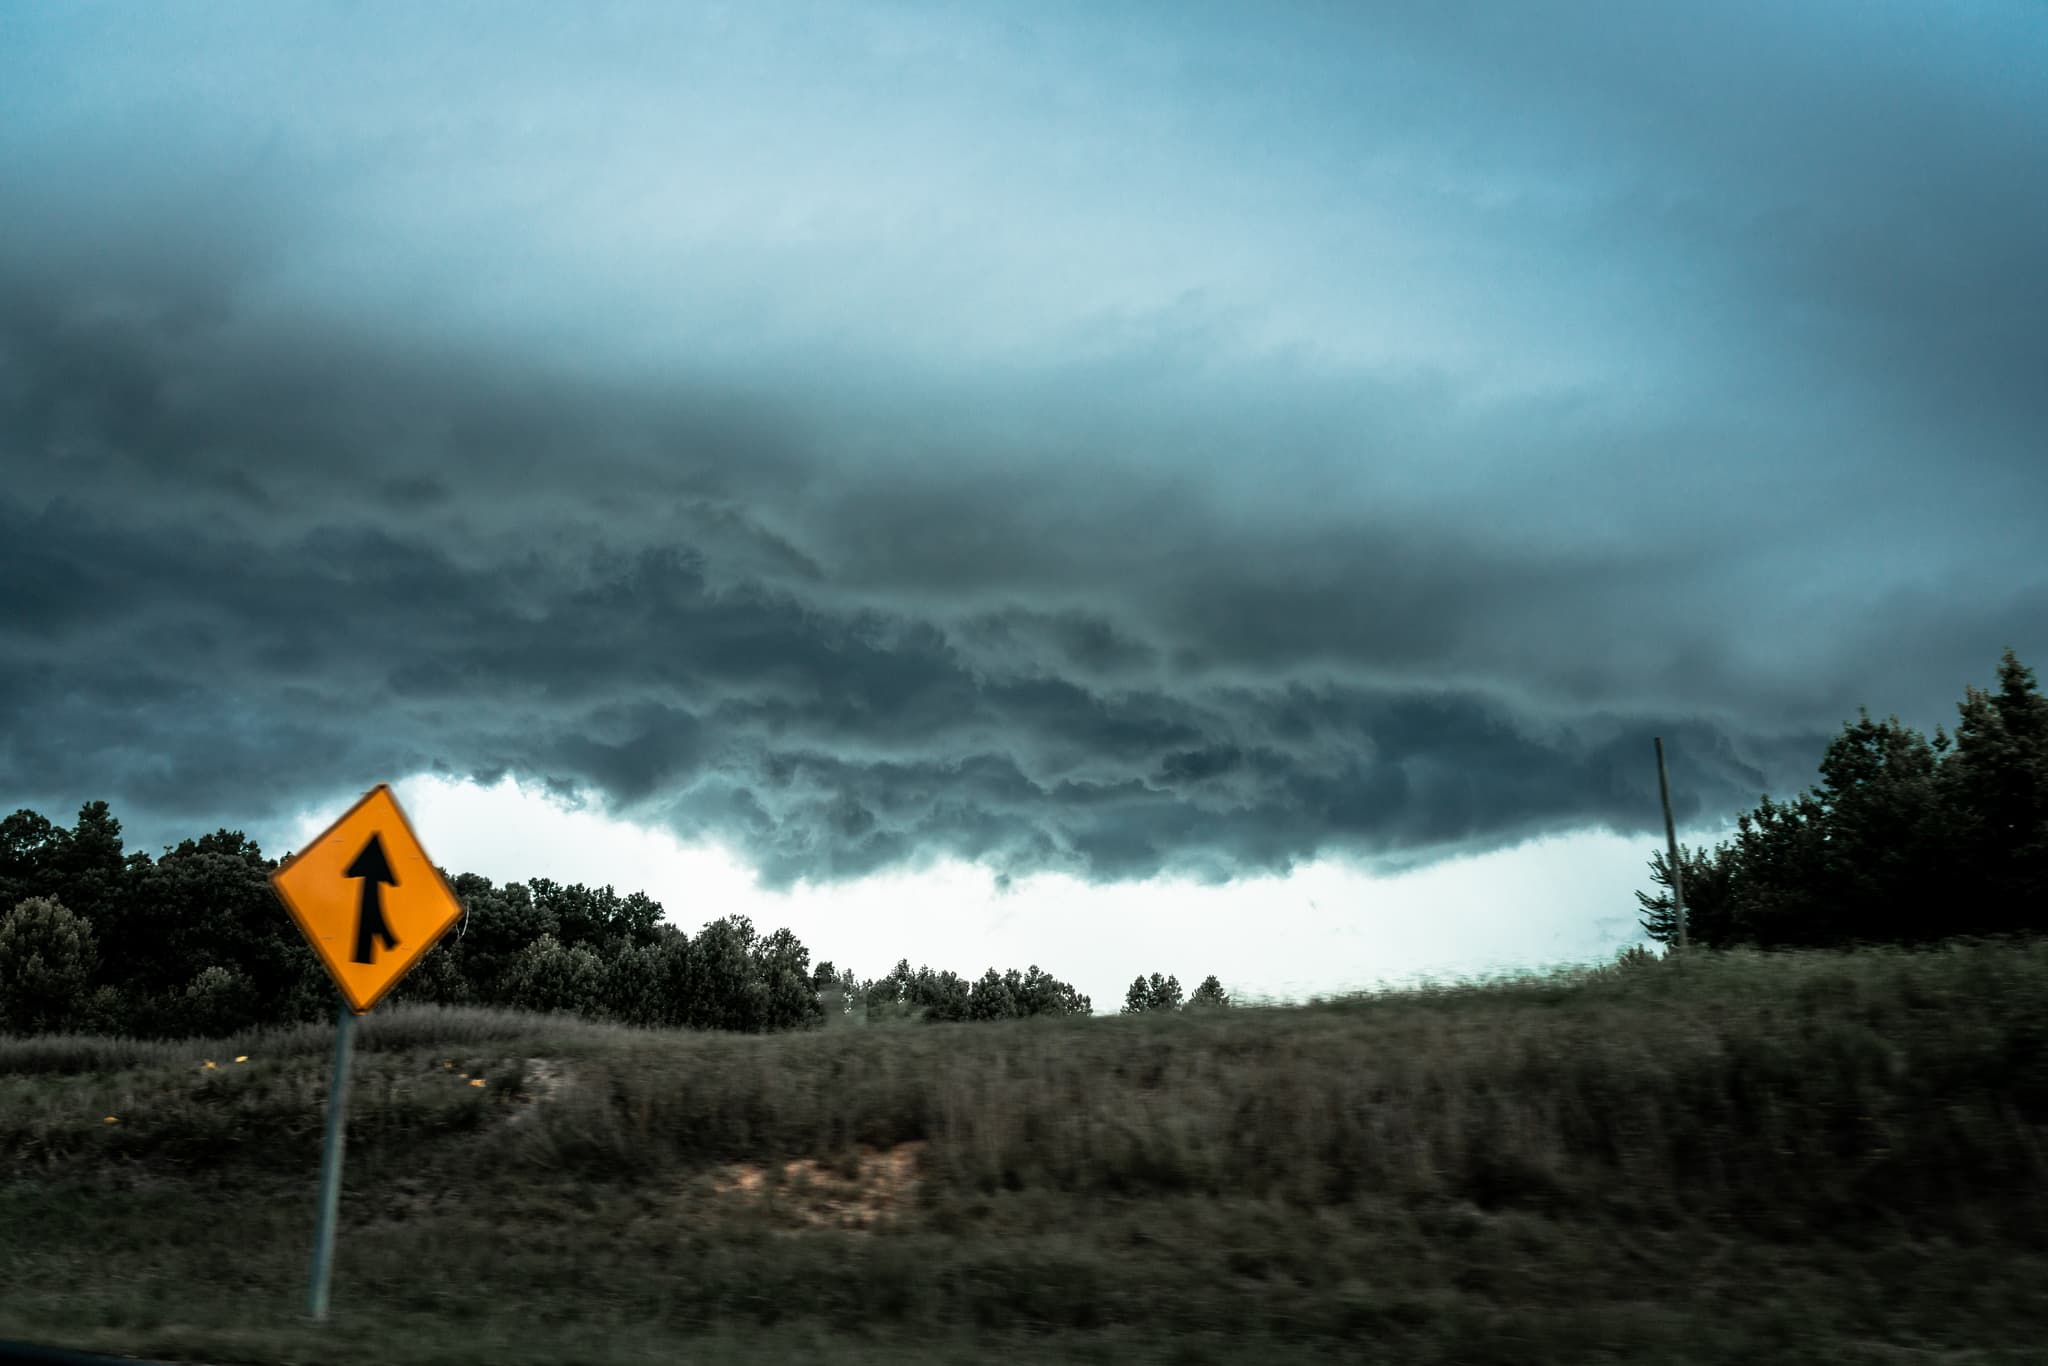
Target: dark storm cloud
<point x="852" y="575"/>
<point x="201" y="671"/>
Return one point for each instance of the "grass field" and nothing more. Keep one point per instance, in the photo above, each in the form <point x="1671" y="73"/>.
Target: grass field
<point x="1768" y="1159"/>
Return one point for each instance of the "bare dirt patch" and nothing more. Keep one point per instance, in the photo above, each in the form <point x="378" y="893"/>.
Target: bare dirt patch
<point x="877" y="1185"/>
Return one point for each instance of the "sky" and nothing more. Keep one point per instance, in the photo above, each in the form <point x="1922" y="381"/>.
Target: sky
<point x="1187" y="488"/>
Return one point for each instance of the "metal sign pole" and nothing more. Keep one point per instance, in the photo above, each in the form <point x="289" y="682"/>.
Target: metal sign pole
<point x="330" y="1161"/>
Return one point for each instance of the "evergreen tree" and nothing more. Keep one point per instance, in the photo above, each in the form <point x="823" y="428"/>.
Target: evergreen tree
<point x="1709" y="879"/>
<point x="1885" y="866"/>
<point x="1038" y="992"/>
<point x="994" y="997"/>
<point x="87" y="867"/>
<point x="1153" y="993"/>
<point x="1996" y="782"/>
<point x="1904" y="839"/>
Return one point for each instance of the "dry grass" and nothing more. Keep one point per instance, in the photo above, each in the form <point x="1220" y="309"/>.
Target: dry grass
<point x="1772" y="1158"/>
<point x="394" y="1028"/>
<point x="1880" y="1086"/>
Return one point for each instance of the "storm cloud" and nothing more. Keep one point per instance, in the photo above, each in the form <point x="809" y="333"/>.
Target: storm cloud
<point x="1185" y="443"/>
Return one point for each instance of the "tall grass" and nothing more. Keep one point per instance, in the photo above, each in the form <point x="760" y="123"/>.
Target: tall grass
<point x="1781" y="1090"/>
<point x="389" y="1028"/>
<point x="1784" y="1090"/>
<point x="1774" y="1157"/>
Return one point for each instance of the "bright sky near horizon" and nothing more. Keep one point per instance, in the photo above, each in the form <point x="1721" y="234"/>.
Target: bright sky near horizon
<point x="1325" y="929"/>
<point x="1251" y="479"/>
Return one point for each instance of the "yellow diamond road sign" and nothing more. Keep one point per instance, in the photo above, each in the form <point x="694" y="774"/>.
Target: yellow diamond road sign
<point x="368" y="898"/>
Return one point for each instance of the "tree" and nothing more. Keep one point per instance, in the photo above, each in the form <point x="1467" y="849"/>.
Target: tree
<point x="933" y="997"/>
<point x="630" y="989"/>
<point x="598" y="918"/>
<point x="1209" y="996"/>
<point x="1996" y="783"/>
<point x="1153" y="993"/>
<point x="1904" y="839"/>
<point x="1709" y="885"/>
<point x="219" y="1000"/>
<point x="1886" y="862"/>
<point x="549" y="977"/>
<point x="437" y="979"/>
<point x="720" y="988"/>
<point x="837" y="991"/>
<point x="782" y="966"/>
<point x="939" y="997"/>
<point x="1781" y="895"/>
<point x="497" y="925"/>
<point x="88" y="863"/>
<point x="1767" y="887"/>
<point x="208" y="903"/>
<point x="83" y="867"/>
<point x="1040" y="993"/>
<point x="204" y="947"/>
<point x="47" y="955"/>
<point x="28" y="842"/>
<point x="992" y="998"/>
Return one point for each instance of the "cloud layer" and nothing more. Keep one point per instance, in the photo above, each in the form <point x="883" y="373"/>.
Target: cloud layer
<point x="868" y="436"/>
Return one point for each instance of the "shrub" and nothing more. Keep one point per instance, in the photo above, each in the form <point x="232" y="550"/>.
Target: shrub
<point x="547" y="977"/>
<point x="46" y="956"/>
<point x="218" y="1000"/>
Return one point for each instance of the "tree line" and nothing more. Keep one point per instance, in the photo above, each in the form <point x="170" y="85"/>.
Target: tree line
<point x="96" y="939"/>
<point x="1905" y="840"/>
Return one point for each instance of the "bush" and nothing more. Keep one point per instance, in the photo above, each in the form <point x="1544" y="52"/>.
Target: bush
<point x="547" y="977"/>
<point x="46" y="956"/>
<point x="218" y="1000"/>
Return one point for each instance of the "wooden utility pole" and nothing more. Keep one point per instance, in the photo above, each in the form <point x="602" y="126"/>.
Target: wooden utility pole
<point x="1671" y="845"/>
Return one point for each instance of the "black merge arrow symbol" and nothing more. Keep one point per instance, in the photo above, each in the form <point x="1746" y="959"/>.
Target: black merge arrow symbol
<point x="375" y="870"/>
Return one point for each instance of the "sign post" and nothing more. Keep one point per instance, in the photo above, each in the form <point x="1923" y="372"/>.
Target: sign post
<point x="371" y="903"/>
<point x="330" y="1162"/>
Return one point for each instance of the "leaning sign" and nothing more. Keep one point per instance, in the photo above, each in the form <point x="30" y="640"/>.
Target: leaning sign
<point x="371" y="903"/>
<point x="368" y="898"/>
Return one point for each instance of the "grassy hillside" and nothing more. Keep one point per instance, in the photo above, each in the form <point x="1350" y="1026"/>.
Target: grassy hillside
<point x="1791" y="1158"/>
